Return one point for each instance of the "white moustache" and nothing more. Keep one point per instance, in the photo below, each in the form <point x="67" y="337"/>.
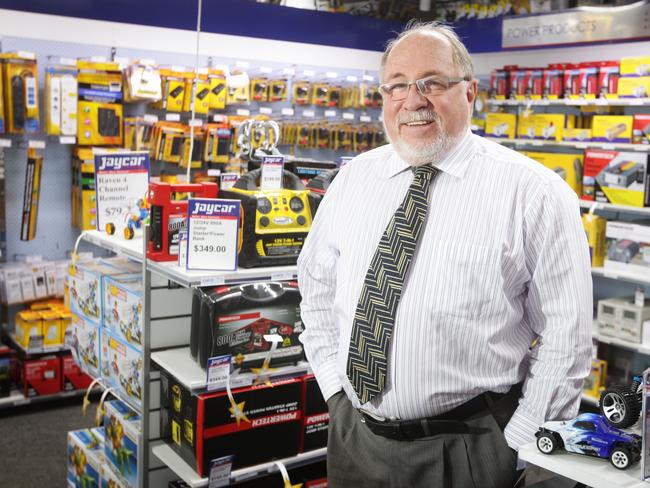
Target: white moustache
<point x="425" y="116"/>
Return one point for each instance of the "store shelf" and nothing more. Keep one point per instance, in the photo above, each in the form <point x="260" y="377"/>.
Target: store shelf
<point x="180" y="364"/>
<point x="168" y="456"/>
<point x="610" y="207"/>
<point x="38" y="350"/>
<point x="614" y="341"/>
<point x="116" y="243"/>
<point x="573" y="144"/>
<point x="604" y="102"/>
<point x="593" y="472"/>
<point x="619" y="275"/>
<point x="17" y="399"/>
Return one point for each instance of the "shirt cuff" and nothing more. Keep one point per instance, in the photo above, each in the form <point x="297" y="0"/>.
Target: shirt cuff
<point x="328" y="379"/>
<point x="521" y="428"/>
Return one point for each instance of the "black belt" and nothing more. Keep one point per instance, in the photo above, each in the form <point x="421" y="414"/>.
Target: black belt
<point x="450" y="422"/>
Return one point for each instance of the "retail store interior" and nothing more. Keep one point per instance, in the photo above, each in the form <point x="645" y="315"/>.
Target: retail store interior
<point x="136" y="337"/>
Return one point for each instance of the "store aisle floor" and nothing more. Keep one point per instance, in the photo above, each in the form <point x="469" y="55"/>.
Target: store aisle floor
<point x="33" y="443"/>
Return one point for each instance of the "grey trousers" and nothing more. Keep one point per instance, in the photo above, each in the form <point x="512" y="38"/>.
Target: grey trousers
<point x="357" y="458"/>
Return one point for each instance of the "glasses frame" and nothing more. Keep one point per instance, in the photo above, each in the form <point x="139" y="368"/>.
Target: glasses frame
<point x="419" y="84"/>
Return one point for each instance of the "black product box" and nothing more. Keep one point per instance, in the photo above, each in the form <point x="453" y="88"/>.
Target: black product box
<point x="202" y="427"/>
<point x="315" y="418"/>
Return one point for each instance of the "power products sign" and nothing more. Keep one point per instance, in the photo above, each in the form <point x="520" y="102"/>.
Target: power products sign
<point x="213" y="226"/>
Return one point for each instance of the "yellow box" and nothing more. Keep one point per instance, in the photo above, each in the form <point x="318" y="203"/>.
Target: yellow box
<point x="218" y="92"/>
<point x="201" y="96"/>
<point x="526" y="126"/>
<point x="549" y="127"/>
<point x="20" y="80"/>
<point x="66" y="320"/>
<point x="636" y="66"/>
<point x="634" y="87"/>
<point x="568" y="166"/>
<point x="577" y="134"/>
<point x="612" y="128"/>
<point x="595" y="227"/>
<point x="51" y="327"/>
<point x="500" y="125"/>
<point x="174" y="94"/>
<point x="596" y="379"/>
<point x="28" y="323"/>
<point x="99" y="124"/>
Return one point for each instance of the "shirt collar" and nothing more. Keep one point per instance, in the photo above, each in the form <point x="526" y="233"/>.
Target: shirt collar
<point x="455" y="163"/>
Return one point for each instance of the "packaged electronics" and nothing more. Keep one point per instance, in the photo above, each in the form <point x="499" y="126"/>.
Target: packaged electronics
<point x="85" y="343"/>
<point x="500" y="84"/>
<point x="218" y="90"/>
<point x="620" y="317"/>
<point x="197" y="94"/>
<point x="260" y="89"/>
<point x="123" y="307"/>
<point x="122" y="430"/>
<point x="549" y="126"/>
<point x="218" y="138"/>
<point x="612" y="128"/>
<point x="596" y="379"/>
<point x="568" y="166"/>
<point x="7" y="369"/>
<point x="608" y="75"/>
<point x="20" y="82"/>
<point x="641" y="129"/>
<point x="571" y="81"/>
<point x="616" y="177"/>
<point x="595" y="227"/>
<point x="635" y="66"/>
<point x="589" y="78"/>
<point x="142" y="82"/>
<point x="501" y="125"/>
<point x="628" y="248"/>
<point x="83" y="205"/>
<point x="238" y="84"/>
<point x="275" y="222"/>
<point x="61" y="101"/>
<point x="174" y="88"/>
<point x="315" y="419"/>
<point x="578" y="135"/>
<point x="278" y="90"/>
<point x="553" y="82"/>
<point x="85" y="457"/>
<point x="40" y="376"/>
<point x="302" y="92"/>
<point x="526" y="125"/>
<point x="202" y="427"/>
<point x="307" y="170"/>
<point x="32" y="195"/>
<point x="121" y="368"/>
<point x="169" y="216"/>
<point x="72" y="378"/>
<point x="28" y="325"/>
<point x="634" y="87"/>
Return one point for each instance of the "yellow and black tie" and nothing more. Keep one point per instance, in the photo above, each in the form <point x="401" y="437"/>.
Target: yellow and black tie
<point x="367" y="364"/>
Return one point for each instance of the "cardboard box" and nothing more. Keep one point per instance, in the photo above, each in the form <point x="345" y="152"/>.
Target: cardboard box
<point x="595" y="227"/>
<point x="500" y="125"/>
<point x="7" y="369"/>
<point x="641" y="129"/>
<point x="72" y="378"/>
<point x="628" y="248"/>
<point x="616" y="177"/>
<point x="553" y="82"/>
<point x="549" y="126"/>
<point x="51" y="322"/>
<point x="608" y="76"/>
<point x="315" y="420"/>
<point x="85" y="457"/>
<point x="110" y="479"/>
<point x="568" y="166"/>
<point x="572" y="81"/>
<point x="526" y="126"/>
<point x="84" y="342"/>
<point x="596" y="379"/>
<point x="578" y="135"/>
<point x="612" y="128"/>
<point x="202" y="427"/>
<point x="123" y="308"/>
<point x="635" y="66"/>
<point x="121" y="368"/>
<point x="29" y="325"/>
<point x="499" y="84"/>
<point x="634" y="87"/>
<point x="40" y="376"/>
<point x="122" y="429"/>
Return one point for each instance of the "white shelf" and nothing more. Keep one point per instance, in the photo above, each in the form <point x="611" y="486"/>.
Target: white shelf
<point x="593" y="472"/>
<point x="16" y="398"/>
<point x="173" y="461"/>
<point x="116" y="243"/>
<point x="618" y="275"/>
<point x="38" y="350"/>
<point x="574" y="144"/>
<point x="616" y="102"/>
<point x="181" y="366"/>
<point x="615" y="341"/>
<point x="615" y="208"/>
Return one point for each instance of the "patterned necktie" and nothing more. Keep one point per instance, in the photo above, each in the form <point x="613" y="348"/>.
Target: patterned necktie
<point x="382" y="288"/>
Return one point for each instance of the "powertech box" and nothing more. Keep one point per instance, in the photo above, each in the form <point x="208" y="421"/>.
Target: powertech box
<point x="628" y="247"/>
<point x="315" y="420"/>
<point x="595" y="227"/>
<point x="121" y="368"/>
<point x="608" y="76"/>
<point x="202" y="427"/>
<point x="85" y="457"/>
<point x="72" y="378"/>
<point x="83" y="338"/>
<point x="641" y="129"/>
<point x="122" y="429"/>
<point x="616" y="177"/>
<point x="29" y="327"/>
<point x="123" y="307"/>
<point x="500" y="125"/>
<point x="40" y="376"/>
<point x="612" y="128"/>
<point x="568" y="166"/>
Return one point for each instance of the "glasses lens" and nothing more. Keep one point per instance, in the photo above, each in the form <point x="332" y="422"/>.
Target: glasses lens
<point x="432" y="86"/>
<point x="395" y="91"/>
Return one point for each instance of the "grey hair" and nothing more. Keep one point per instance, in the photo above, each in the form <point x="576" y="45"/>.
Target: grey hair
<point x="460" y="55"/>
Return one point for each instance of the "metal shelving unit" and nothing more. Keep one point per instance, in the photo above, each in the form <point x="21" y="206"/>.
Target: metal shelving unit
<point x="578" y="102"/>
<point x="17" y="399"/>
<point x="574" y="144"/>
<point x="622" y="276"/>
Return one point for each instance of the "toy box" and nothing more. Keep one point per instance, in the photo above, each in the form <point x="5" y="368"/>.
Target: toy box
<point x="40" y="376"/>
<point x="315" y="418"/>
<point x="201" y="427"/>
<point x="121" y="368"/>
<point x="595" y="229"/>
<point x="123" y="307"/>
<point x="549" y="126"/>
<point x="596" y="379"/>
<point x="83" y="338"/>
<point x="641" y="129"/>
<point x="122" y="429"/>
<point x="578" y="135"/>
<point x="634" y="87"/>
<point x="628" y="247"/>
<point x="72" y="378"/>
<point x="568" y="166"/>
<point x="526" y="126"/>
<point x="612" y="128"/>
<point x="85" y="457"/>
<point x="620" y="317"/>
<point x="616" y="177"/>
<point x="635" y="66"/>
<point x="110" y="479"/>
<point x="500" y="125"/>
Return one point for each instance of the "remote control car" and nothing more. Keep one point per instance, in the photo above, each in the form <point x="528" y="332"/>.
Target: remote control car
<point x="621" y="404"/>
<point x="590" y="434"/>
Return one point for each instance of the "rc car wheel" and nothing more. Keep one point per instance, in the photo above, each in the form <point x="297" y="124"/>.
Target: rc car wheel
<point x="128" y="233"/>
<point x="620" y="406"/>
<point x="546" y="443"/>
<point x="620" y="457"/>
<point x="110" y="229"/>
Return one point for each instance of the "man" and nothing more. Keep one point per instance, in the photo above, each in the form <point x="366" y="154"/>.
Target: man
<point x="446" y="289"/>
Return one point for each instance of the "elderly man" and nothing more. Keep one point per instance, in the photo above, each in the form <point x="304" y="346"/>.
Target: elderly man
<point x="446" y="289"/>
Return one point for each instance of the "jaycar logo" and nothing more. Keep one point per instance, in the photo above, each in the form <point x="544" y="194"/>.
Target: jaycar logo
<point x="122" y="162"/>
<point x="212" y="208"/>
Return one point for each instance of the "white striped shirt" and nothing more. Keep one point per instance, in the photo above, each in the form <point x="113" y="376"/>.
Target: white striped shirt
<point x="503" y="259"/>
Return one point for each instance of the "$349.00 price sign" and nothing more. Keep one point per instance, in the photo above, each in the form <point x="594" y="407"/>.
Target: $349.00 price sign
<point x="121" y="180"/>
<point x="213" y="226"/>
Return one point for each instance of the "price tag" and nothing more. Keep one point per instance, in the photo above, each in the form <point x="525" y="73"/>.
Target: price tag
<point x="121" y="181"/>
<point x="581" y="145"/>
<point x="98" y="59"/>
<point x="365" y="118"/>
<point x="68" y="61"/>
<point x="220" y="118"/>
<point x="214" y="172"/>
<point x="213" y="226"/>
<point x="218" y="371"/>
<point x="5" y="142"/>
<point x="331" y="74"/>
<point x="212" y="281"/>
<point x="172" y="117"/>
<point x="352" y="79"/>
<point x="266" y="110"/>
<point x="220" y="472"/>
<point x="182" y="248"/>
<point x="308" y="113"/>
<point x="150" y="118"/>
<point x="636" y="102"/>
<point x="272" y="167"/>
<point x="330" y="113"/>
<point x="67" y="140"/>
<point x="640" y="148"/>
<point x="348" y="116"/>
<point x="609" y="147"/>
<point x="36" y="144"/>
<point x="266" y="69"/>
<point x="368" y="78"/>
<point x="243" y="111"/>
<point x="178" y="69"/>
<point x="228" y="180"/>
<point x="309" y="72"/>
<point x="26" y="55"/>
<point x="285" y="111"/>
<point x="195" y="123"/>
<point x="202" y="71"/>
<point x="536" y="143"/>
<point x="287" y="275"/>
<point x="289" y="71"/>
<point x="243" y="64"/>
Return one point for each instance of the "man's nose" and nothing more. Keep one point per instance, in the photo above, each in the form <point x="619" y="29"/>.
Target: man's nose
<point x="414" y="99"/>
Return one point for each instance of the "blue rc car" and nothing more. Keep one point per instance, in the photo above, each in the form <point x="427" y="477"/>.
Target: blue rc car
<point x="590" y="434"/>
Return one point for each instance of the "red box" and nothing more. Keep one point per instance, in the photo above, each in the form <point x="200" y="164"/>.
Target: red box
<point x="41" y="376"/>
<point x="608" y="74"/>
<point x="589" y="80"/>
<point x="571" y="81"/>
<point x="315" y="417"/>
<point x="72" y="378"/>
<point x="524" y="82"/>
<point x="553" y="81"/>
<point x="641" y="129"/>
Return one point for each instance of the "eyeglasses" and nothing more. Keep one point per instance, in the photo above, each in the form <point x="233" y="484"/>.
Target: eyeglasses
<point x="428" y="87"/>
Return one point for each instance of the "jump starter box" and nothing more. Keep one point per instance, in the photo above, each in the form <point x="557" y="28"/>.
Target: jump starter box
<point x="616" y="177"/>
<point x="202" y="427"/>
<point x="315" y="420"/>
<point x="234" y="320"/>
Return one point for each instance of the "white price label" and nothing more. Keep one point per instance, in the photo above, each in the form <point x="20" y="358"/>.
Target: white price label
<point x="266" y="69"/>
<point x="68" y="61"/>
<point x="289" y="71"/>
<point x="243" y="111"/>
<point x="67" y="140"/>
<point x="284" y="276"/>
<point x="172" y="117"/>
<point x="368" y="78"/>
<point x="285" y="111"/>
<point x="98" y="59"/>
<point x="330" y="113"/>
<point x="581" y="145"/>
<point x="195" y="123"/>
<point x="243" y="64"/>
<point x="218" y="371"/>
<point x="348" y="116"/>
<point x="5" y="142"/>
<point x="228" y="180"/>
<point x="182" y="248"/>
<point x="641" y="148"/>
<point x="212" y="280"/>
<point x="352" y="79"/>
<point x="220" y="472"/>
<point x="536" y="143"/>
<point x="26" y="55"/>
<point x="365" y="118"/>
<point x="609" y="147"/>
<point x="212" y="232"/>
<point x="266" y="110"/>
<point x="272" y="167"/>
<point x="36" y="342"/>
<point x="214" y="172"/>
<point x="331" y="74"/>
<point x="309" y="72"/>
<point x="36" y="144"/>
<point x="178" y="69"/>
<point x="637" y="102"/>
<point x="308" y="113"/>
<point x="202" y="71"/>
<point x="150" y="118"/>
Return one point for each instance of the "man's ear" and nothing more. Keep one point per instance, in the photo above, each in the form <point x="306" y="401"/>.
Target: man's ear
<point x="472" y="89"/>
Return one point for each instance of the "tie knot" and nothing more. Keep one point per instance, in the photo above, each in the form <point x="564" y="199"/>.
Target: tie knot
<point x="424" y="172"/>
